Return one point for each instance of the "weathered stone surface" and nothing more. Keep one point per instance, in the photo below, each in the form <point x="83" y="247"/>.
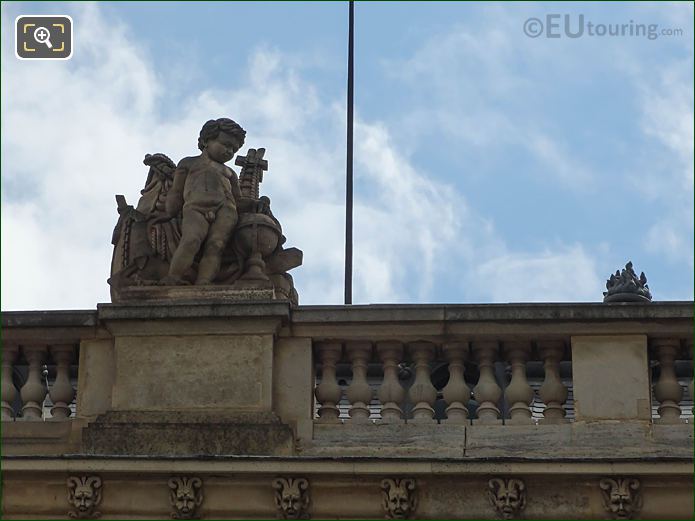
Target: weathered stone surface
<point x="242" y="489"/>
<point x="237" y="440"/>
<point x="193" y="372"/>
<point x="193" y="294"/>
<point x="216" y="309"/>
<point x="589" y="441"/>
<point x="187" y="434"/>
<point x="611" y="377"/>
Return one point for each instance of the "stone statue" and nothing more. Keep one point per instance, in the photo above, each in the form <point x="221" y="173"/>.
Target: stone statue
<point x="626" y="287"/>
<point x="198" y="223"/>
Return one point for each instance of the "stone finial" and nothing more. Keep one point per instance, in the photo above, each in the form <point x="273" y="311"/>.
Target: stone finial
<point x="185" y="496"/>
<point x="622" y="497"/>
<point x="398" y="498"/>
<point x="84" y="495"/>
<point x="292" y="498"/>
<point x="624" y="286"/>
<point x="507" y="496"/>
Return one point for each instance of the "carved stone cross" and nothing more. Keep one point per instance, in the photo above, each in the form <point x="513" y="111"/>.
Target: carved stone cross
<point x="252" y="167"/>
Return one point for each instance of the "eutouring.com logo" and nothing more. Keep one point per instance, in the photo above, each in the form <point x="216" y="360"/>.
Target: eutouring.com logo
<point x="576" y="26"/>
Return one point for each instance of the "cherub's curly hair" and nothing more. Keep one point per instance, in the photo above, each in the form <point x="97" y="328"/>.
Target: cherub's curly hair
<point x="212" y="129"/>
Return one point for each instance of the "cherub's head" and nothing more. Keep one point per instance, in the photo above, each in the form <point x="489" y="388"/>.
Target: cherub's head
<point x="221" y="138"/>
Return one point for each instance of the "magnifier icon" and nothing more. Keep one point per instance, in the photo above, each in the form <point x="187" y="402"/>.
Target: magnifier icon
<point x="43" y="35"/>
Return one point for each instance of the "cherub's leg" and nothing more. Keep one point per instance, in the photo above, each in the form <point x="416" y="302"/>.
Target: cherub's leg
<point x="225" y="220"/>
<point x="194" y="228"/>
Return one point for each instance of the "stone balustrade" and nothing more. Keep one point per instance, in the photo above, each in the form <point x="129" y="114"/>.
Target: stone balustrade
<point x="453" y="383"/>
<point x="483" y="381"/>
<point x="37" y="381"/>
<point x="341" y="411"/>
<point x="519" y="364"/>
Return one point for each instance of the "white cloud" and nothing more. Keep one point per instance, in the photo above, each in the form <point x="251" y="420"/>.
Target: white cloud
<point x="470" y="78"/>
<point x="667" y="118"/>
<point x="568" y="274"/>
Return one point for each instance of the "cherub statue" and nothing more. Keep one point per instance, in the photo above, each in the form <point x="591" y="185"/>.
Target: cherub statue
<point x="199" y="223"/>
<point x="208" y="192"/>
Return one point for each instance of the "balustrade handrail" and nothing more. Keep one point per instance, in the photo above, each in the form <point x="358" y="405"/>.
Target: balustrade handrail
<point x="470" y="342"/>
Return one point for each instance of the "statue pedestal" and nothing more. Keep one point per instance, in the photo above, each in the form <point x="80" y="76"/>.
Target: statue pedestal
<point x="188" y="379"/>
<point x="249" y="291"/>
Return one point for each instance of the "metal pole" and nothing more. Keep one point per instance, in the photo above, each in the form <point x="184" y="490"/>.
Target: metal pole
<point x="348" y="184"/>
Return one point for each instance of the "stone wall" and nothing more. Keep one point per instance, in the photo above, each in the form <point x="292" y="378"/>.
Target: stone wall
<point x="252" y="410"/>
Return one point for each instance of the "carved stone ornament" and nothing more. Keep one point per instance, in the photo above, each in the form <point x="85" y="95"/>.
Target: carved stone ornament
<point x="507" y="496"/>
<point x="399" y="498"/>
<point x="622" y="497"/>
<point x="84" y="495"/>
<point x="292" y="498"/>
<point x="186" y="495"/>
<point x="626" y="287"/>
<point x="198" y="223"/>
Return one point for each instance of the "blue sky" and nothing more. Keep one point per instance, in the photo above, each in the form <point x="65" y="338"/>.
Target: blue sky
<point x="490" y="166"/>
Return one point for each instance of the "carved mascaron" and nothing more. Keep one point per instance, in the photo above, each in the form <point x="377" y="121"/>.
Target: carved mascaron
<point x="84" y="495"/>
<point x="398" y="498"/>
<point x="507" y="496"/>
<point x="292" y="498"/>
<point x="185" y="496"/>
<point x="622" y="497"/>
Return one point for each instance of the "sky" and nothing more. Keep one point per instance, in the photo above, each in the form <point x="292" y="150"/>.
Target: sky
<point x="493" y="162"/>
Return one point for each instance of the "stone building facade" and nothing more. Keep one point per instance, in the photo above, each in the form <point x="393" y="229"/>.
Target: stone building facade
<point x="255" y="410"/>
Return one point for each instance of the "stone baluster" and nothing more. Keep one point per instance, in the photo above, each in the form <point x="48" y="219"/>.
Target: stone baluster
<point x="9" y="391"/>
<point x="456" y="392"/>
<point x="689" y="351"/>
<point x="667" y="390"/>
<point x="359" y="393"/>
<point x="328" y="392"/>
<point x="422" y="393"/>
<point x="33" y="391"/>
<point x="391" y="393"/>
<point x="487" y="393"/>
<point x="519" y="393"/>
<point x="552" y="392"/>
<point x="62" y="392"/>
